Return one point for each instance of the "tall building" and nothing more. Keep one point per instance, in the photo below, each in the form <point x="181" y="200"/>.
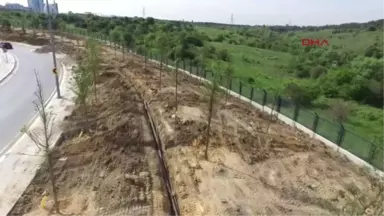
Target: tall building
<point x="15" y="6"/>
<point x="53" y="8"/>
<point x="36" y="6"/>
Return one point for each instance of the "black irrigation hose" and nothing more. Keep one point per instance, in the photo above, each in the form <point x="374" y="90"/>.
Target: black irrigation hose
<point x="175" y="211"/>
<point x="164" y="170"/>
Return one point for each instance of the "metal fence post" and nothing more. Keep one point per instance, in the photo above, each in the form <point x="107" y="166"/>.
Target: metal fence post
<point x="221" y="79"/>
<point x="315" y="122"/>
<point x="251" y="96"/>
<point x="278" y="103"/>
<point x="264" y="97"/>
<point x="373" y="152"/>
<point x="340" y="135"/>
<point x="230" y="83"/>
<point x="190" y="66"/>
<point x="296" y="112"/>
<point x="145" y="57"/>
<point x="240" y="88"/>
<point x="184" y="64"/>
<point x="205" y="72"/>
<point x="122" y="47"/>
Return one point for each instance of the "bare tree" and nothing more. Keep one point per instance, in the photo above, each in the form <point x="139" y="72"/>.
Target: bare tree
<point x="228" y="72"/>
<point x="162" y="43"/>
<point x="93" y="62"/>
<point x="213" y="91"/>
<point x="176" y="80"/>
<point x="43" y="138"/>
<point x="271" y="116"/>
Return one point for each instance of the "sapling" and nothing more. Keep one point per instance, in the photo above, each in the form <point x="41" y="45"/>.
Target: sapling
<point x="81" y="87"/>
<point x="43" y="138"/>
<point x="213" y="91"/>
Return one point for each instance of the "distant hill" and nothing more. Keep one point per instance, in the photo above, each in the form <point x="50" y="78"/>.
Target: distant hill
<point x="376" y="24"/>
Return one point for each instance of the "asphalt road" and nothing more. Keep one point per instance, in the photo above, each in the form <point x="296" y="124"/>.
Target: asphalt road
<point x="17" y="93"/>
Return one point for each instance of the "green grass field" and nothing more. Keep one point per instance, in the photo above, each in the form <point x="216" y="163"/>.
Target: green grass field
<point x="264" y="66"/>
<point x="357" y="42"/>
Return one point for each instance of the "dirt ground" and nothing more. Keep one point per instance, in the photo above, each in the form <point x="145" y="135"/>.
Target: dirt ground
<point x="250" y="171"/>
<point x="113" y="169"/>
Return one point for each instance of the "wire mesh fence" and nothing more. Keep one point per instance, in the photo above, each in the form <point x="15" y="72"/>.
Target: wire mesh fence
<point x="335" y="132"/>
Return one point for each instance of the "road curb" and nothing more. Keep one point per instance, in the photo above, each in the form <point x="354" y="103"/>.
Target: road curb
<point x="4" y="151"/>
<point x="25" y="165"/>
<point x="15" y="62"/>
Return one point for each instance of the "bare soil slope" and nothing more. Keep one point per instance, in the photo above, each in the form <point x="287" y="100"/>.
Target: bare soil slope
<point x="251" y="170"/>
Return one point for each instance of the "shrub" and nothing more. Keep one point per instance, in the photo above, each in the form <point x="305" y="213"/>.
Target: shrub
<point x="302" y="73"/>
<point x="317" y="71"/>
<point x="302" y="95"/>
<point x="219" y="38"/>
<point x="372" y="28"/>
<point x="224" y="55"/>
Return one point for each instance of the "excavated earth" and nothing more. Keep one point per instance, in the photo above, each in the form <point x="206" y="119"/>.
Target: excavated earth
<point x="109" y="169"/>
<point x="255" y="166"/>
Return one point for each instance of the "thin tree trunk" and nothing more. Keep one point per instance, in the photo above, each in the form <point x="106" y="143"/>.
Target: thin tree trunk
<point x="53" y="180"/>
<point x="176" y="73"/>
<point x="115" y="49"/>
<point x="271" y="117"/>
<point x="161" y="70"/>
<point x="123" y="53"/>
<point x="209" y="122"/>
<point x="85" y="110"/>
<point x="227" y="95"/>
<point x="145" y="59"/>
<point x="94" y="85"/>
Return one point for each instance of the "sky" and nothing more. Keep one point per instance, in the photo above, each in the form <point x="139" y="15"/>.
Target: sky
<point x="251" y="12"/>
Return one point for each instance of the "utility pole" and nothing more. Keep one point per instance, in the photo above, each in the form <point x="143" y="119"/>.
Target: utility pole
<point x="232" y="21"/>
<point x="143" y="12"/>
<point x="53" y="49"/>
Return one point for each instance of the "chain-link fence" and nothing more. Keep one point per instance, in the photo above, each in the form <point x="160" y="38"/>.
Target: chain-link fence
<point x="334" y="132"/>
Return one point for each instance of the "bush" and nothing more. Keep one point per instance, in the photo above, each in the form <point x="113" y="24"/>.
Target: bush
<point x="302" y="95"/>
<point x="318" y="71"/>
<point x="219" y="38"/>
<point x="372" y="28"/>
<point x="251" y="81"/>
<point x="224" y="55"/>
<point x="302" y="73"/>
<point x="247" y="59"/>
<point x="374" y="51"/>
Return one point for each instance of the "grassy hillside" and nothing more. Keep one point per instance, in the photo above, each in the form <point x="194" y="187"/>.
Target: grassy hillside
<point x="262" y="65"/>
<point x="356" y="41"/>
